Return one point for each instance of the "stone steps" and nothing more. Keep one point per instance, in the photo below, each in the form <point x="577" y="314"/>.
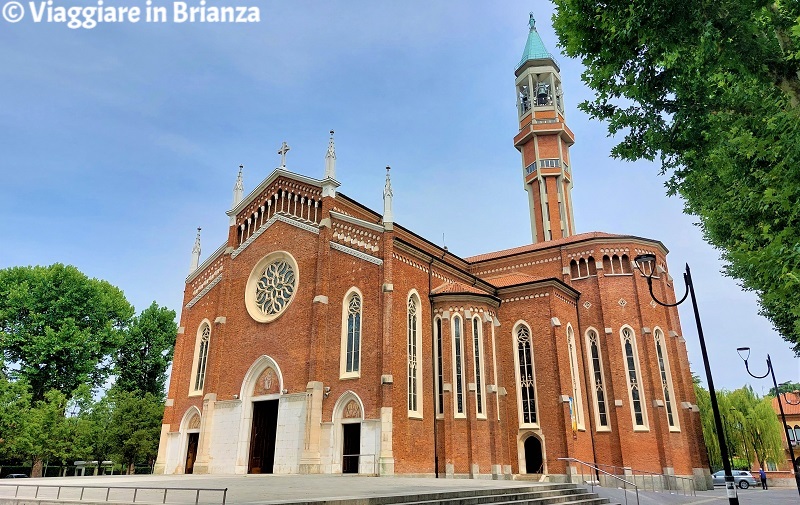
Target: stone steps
<point x="539" y="494"/>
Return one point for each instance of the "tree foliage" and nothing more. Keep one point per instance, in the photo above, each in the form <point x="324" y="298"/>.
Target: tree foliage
<point x="753" y="432"/>
<point x="786" y="387"/>
<point x="135" y="426"/>
<point x="58" y="328"/>
<point x="711" y="89"/>
<point x="146" y="351"/>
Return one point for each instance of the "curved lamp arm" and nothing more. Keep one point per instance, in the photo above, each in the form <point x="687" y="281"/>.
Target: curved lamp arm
<point x="741" y="351"/>
<point x="650" y="259"/>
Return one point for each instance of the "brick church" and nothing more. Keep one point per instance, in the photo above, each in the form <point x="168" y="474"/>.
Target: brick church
<point x="323" y="337"/>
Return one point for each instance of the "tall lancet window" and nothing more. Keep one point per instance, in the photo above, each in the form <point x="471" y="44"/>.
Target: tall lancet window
<point x="598" y="386"/>
<point x="351" y="335"/>
<point x="414" y="349"/>
<point x="577" y="393"/>
<point x="666" y="378"/>
<point x="437" y="328"/>
<point x="634" y="380"/>
<point x="458" y="365"/>
<point x="201" y="359"/>
<point x="526" y="379"/>
<point x="477" y="350"/>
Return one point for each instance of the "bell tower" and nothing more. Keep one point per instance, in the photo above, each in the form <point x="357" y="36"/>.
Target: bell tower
<point x="544" y="140"/>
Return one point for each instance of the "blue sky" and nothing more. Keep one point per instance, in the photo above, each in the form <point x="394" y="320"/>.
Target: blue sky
<point x="118" y="142"/>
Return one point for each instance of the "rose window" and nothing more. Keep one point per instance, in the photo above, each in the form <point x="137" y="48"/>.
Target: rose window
<point x="275" y="287"/>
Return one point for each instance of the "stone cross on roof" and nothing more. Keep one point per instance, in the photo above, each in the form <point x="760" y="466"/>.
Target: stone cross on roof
<point x="282" y="151"/>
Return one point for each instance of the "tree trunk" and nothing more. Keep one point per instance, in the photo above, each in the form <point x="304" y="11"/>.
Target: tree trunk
<point x="131" y="469"/>
<point x="36" y="471"/>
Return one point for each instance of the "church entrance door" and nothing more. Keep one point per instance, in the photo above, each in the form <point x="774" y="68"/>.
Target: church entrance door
<point x="191" y="452"/>
<point x="262" y="436"/>
<point x="533" y="455"/>
<point x="351" y="448"/>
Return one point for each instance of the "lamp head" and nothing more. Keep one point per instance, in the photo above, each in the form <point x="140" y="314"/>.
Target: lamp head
<point x="742" y="351"/>
<point x="646" y="263"/>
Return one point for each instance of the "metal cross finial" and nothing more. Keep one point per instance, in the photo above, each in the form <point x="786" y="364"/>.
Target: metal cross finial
<point x="283" y="150"/>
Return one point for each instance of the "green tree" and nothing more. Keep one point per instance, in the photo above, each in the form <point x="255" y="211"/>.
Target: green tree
<point x="711" y="89"/>
<point x="146" y="351"/>
<point x="15" y="404"/>
<point x="58" y="327"/>
<point x="786" y="387"/>
<point x="136" y="427"/>
<point x="46" y="433"/>
<point x="709" y="428"/>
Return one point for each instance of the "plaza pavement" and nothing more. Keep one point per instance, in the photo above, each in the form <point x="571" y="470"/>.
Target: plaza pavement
<point x="273" y="489"/>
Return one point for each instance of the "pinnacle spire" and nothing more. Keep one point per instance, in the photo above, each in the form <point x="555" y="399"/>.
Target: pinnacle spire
<point x="388" y="217"/>
<point x="195" y="253"/>
<point x="238" y="188"/>
<point x="534" y="48"/>
<point x="330" y="160"/>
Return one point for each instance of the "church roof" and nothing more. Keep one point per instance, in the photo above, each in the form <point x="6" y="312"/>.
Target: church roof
<point x="511" y="279"/>
<point x="542" y="245"/>
<point x="534" y="48"/>
<point x="456" y="287"/>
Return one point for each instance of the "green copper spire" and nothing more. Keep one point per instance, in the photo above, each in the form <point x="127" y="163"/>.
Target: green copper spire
<point x="534" y="49"/>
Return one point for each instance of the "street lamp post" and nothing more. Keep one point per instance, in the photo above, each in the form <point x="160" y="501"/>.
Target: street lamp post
<point x="771" y="371"/>
<point x="647" y="262"/>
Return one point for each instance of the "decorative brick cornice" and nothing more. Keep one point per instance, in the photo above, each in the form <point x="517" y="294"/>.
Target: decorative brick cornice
<point x="357" y="254"/>
<point x="203" y="293"/>
<point x="270" y="222"/>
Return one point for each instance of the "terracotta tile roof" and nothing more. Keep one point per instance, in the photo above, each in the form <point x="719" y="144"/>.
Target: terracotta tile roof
<point x="456" y="287"/>
<point x="510" y="279"/>
<point x="789" y="407"/>
<point x="541" y="245"/>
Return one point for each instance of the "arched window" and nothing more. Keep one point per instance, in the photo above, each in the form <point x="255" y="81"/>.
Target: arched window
<point x="526" y="379"/>
<point x="607" y="270"/>
<point x="414" y="349"/>
<point x="633" y="376"/>
<point x="477" y="350"/>
<point x="573" y="269"/>
<point x="351" y="335"/>
<point x="796" y="432"/>
<point x="616" y="265"/>
<point x="592" y="266"/>
<point x="458" y="366"/>
<point x="666" y="378"/>
<point x="599" y="388"/>
<point x="577" y="395"/>
<point x="626" y="264"/>
<point x="790" y="431"/>
<point x="437" y="328"/>
<point x="201" y="358"/>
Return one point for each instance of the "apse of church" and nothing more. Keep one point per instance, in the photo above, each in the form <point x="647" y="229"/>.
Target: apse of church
<point x="323" y="337"/>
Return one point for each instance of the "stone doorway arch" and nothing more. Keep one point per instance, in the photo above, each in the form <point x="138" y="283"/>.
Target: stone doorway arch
<point x="534" y="455"/>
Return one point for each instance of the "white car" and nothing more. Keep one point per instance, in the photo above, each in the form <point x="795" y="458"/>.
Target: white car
<point x="742" y="478"/>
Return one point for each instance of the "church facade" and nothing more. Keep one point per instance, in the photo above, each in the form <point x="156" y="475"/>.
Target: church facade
<point x="322" y="337"/>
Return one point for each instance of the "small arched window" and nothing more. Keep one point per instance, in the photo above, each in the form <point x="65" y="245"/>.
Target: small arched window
<point x="351" y="335"/>
<point x="626" y="264"/>
<point x="592" y="266"/>
<point x="573" y="269"/>
<point x="607" y="265"/>
<point x="790" y="431"/>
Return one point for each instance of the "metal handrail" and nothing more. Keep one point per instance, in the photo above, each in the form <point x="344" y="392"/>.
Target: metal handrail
<point x="374" y="461"/>
<point x="592" y="482"/>
<point x="665" y="479"/>
<point x="108" y="489"/>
